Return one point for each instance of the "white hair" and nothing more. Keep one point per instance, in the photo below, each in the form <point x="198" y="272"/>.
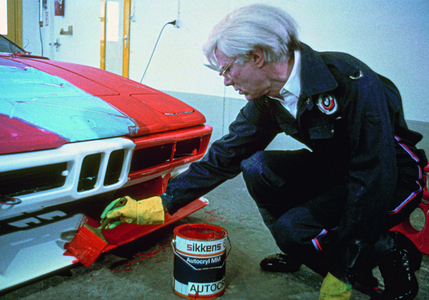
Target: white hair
<point x="255" y="26"/>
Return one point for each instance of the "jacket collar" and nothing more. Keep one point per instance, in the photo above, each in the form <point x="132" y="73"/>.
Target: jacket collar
<point x="315" y="75"/>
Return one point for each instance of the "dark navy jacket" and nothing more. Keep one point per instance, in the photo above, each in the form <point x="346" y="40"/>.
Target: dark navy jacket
<point x="348" y="116"/>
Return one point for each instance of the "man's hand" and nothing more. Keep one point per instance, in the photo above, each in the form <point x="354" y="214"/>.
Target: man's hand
<point x="334" y="289"/>
<point x="142" y="212"/>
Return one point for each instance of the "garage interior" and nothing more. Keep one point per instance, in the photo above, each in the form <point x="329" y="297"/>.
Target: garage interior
<point x="144" y="268"/>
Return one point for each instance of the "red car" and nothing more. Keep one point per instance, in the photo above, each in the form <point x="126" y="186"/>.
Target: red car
<point x="72" y="139"/>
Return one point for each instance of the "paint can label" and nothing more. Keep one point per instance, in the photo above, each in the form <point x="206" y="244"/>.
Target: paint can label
<point x="199" y="263"/>
<point x="191" y="247"/>
<point x="196" y="288"/>
<point x="214" y="289"/>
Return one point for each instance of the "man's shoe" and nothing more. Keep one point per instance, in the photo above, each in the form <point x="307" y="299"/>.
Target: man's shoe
<point x="280" y="263"/>
<point x="398" y="270"/>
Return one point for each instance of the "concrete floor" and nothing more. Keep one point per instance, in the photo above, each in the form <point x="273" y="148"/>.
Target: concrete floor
<point x="144" y="269"/>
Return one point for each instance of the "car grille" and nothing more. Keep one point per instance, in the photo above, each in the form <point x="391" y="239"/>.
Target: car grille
<point x="31" y="180"/>
<point x="79" y="170"/>
<point x="162" y="154"/>
<point x="42" y="178"/>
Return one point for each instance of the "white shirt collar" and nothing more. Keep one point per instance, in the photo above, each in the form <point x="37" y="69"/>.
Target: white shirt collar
<point x="293" y="84"/>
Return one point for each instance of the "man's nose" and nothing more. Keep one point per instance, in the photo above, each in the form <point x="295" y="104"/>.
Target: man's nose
<point x="227" y="81"/>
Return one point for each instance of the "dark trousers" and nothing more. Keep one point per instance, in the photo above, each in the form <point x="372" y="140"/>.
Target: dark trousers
<point x="301" y="202"/>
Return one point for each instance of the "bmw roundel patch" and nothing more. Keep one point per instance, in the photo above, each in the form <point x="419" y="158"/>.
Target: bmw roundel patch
<point x="327" y="104"/>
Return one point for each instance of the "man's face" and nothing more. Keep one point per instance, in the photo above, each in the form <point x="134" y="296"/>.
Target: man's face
<point x="248" y="78"/>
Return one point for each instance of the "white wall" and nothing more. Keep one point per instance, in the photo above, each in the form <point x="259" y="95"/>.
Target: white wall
<point x="389" y="35"/>
<point x="82" y="47"/>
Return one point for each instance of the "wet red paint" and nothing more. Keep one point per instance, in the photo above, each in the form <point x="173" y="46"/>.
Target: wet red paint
<point x="200" y="232"/>
<point x="129" y="232"/>
<point x="213" y="217"/>
<point x="86" y="246"/>
<point x="153" y="253"/>
<point x="142" y="256"/>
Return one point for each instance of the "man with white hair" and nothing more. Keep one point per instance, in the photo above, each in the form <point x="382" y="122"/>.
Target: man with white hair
<point x="329" y="206"/>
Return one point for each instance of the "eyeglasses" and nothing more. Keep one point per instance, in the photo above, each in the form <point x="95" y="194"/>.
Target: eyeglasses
<point x="225" y="69"/>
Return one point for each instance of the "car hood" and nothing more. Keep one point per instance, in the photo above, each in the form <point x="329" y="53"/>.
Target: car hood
<point x="45" y="104"/>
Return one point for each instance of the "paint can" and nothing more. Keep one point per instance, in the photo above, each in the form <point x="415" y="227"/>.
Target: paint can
<point x="200" y="252"/>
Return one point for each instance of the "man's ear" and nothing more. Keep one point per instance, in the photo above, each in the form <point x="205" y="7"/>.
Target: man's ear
<point x="257" y="57"/>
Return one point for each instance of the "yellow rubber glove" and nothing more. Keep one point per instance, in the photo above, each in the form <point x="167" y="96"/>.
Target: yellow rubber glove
<point x="143" y="212"/>
<point x="334" y="289"/>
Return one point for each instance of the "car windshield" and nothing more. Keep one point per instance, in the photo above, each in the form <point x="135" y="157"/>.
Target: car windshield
<point x="7" y="46"/>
